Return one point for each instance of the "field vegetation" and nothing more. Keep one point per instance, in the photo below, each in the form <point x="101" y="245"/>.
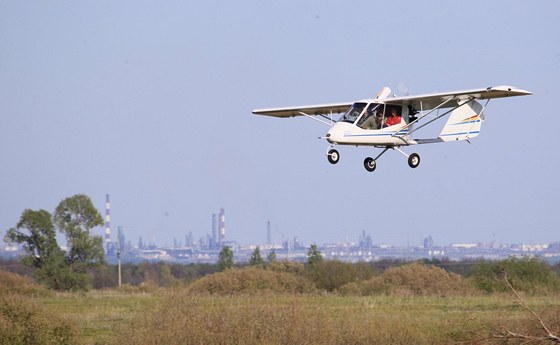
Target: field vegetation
<point x="279" y="302"/>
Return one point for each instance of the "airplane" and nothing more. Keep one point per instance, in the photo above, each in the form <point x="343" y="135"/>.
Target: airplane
<point x="387" y="121"/>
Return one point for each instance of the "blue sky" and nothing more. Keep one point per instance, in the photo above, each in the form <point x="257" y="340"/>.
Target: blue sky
<point x="150" y="101"/>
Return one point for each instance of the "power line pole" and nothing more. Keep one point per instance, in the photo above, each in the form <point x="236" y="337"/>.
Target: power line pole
<point x="119" y="253"/>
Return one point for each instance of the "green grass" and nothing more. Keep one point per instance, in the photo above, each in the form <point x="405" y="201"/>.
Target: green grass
<point x="177" y="317"/>
<point x="99" y="313"/>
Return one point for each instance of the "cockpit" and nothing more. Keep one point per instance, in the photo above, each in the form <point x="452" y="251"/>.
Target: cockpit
<point x="374" y="115"/>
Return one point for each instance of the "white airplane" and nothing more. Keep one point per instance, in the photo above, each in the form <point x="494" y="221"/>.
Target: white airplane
<point x="387" y="121"/>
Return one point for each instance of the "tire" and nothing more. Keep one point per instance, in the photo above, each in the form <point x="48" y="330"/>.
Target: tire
<point x="369" y="164"/>
<point x="413" y="160"/>
<point x="333" y="156"/>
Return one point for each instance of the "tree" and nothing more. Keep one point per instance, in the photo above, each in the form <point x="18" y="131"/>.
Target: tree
<point x="76" y="217"/>
<point x="314" y="255"/>
<point x="36" y="232"/>
<point x="330" y="275"/>
<point x="256" y="258"/>
<point x="271" y="257"/>
<point x="225" y="259"/>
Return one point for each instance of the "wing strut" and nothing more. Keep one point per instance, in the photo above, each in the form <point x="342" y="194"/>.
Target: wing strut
<point x="316" y="119"/>
<point x="423" y="116"/>
<point x="437" y="117"/>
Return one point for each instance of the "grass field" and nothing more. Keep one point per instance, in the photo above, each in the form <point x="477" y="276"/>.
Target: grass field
<point x="176" y="317"/>
<point x="409" y="304"/>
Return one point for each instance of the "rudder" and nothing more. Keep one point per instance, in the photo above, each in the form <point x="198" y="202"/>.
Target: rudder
<point x="464" y="123"/>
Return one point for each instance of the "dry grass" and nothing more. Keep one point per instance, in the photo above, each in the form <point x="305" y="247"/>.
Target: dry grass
<point x="167" y="316"/>
<point x="187" y="319"/>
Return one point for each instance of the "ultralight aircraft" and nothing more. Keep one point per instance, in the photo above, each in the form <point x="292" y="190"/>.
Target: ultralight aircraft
<point x="388" y="121"/>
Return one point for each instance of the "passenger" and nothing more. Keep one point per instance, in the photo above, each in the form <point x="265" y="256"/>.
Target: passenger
<point x="394" y="118"/>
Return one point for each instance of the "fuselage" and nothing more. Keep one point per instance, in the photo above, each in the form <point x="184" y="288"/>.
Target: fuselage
<point x="371" y="122"/>
<point x="344" y="133"/>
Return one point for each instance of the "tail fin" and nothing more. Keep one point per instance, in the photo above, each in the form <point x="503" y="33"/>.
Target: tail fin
<point x="464" y="122"/>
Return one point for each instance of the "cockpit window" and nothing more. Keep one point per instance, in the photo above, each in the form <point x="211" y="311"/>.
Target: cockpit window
<point x="369" y="118"/>
<point x="353" y="113"/>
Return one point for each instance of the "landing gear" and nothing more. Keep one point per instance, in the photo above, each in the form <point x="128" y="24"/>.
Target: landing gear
<point x="333" y="156"/>
<point x="413" y="160"/>
<point x="369" y="164"/>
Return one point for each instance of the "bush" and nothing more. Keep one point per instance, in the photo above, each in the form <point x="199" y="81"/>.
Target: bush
<point x="250" y="280"/>
<point x="525" y="274"/>
<point x="15" y="283"/>
<point x="330" y="275"/>
<point x="24" y="322"/>
<point x="411" y="279"/>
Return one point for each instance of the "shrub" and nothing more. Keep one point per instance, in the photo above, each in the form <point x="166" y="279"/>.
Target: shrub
<point x="22" y="321"/>
<point x="250" y="280"/>
<point x="330" y="275"/>
<point x="15" y="283"/>
<point x="412" y="279"/>
<point x="525" y="274"/>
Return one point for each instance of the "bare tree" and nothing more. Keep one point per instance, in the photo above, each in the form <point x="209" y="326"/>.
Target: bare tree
<point x="503" y="334"/>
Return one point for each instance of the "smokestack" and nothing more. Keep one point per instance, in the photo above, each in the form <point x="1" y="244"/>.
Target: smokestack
<point x="268" y="237"/>
<point x="222" y="225"/>
<point x="214" y="243"/>
<point x="107" y="219"/>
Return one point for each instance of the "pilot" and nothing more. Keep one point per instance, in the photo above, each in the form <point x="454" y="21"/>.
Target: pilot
<point x="393" y="119"/>
<point x="368" y="121"/>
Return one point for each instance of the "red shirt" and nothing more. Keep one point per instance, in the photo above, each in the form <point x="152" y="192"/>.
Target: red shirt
<point x="393" y="120"/>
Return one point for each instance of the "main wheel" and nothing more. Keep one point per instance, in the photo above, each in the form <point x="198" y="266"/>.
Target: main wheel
<point x="413" y="160"/>
<point x="369" y="164"/>
<point x="333" y="156"/>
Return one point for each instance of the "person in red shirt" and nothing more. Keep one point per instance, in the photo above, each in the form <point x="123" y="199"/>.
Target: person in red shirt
<point x="393" y="119"/>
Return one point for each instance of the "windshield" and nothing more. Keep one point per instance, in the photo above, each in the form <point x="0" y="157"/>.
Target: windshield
<point x="353" y="113"/>
<point x="371" y="117"/>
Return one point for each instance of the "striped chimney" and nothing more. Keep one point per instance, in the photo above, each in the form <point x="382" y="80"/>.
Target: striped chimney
<point x="107" y="219"/>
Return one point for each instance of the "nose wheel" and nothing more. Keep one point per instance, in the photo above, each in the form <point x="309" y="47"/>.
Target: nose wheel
<point x="333" y="156"/>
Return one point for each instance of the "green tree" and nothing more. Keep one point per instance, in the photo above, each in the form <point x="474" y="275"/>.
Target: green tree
<point x="525" y="274"/>
<point x="35" y="231"/>
<point x="271" y="257"/>
<point x="330" y="275"/>
<point x="314" y="256"/>
<point x="225" y="259"/>
<point x="256" y="258"/>
<point x="75" y="217"/>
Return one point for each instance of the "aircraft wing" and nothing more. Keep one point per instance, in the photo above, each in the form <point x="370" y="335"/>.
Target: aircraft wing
<point x="320" y="109"/>
<point x="430" y="101"/>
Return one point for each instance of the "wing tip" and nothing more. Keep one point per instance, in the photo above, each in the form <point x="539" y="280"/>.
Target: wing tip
<point x="509" y="88"/>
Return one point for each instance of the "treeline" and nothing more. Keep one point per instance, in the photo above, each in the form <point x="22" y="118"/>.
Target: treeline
<point x="381" y="277"/>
